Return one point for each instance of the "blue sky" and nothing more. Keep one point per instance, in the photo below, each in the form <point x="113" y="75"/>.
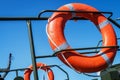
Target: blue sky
<point x="14" y="34"/>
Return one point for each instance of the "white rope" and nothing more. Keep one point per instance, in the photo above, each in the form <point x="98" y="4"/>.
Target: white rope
<point x="51" y="38"/>
<point x="69" y="63"/>
<point x="47" y="74"/>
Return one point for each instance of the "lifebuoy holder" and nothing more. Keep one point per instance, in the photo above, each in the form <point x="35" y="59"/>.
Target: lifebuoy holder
<point x="79" y="62"/>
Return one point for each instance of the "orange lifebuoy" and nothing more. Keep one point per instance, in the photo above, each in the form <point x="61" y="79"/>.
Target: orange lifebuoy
<point x="28" y="72"/>
<point x="80" y="62"/>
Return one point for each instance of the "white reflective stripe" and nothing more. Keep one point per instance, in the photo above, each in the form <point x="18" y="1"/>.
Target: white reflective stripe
<point x="105" y="57"/>
<point x="71" y="9"/>
<point x="103" y="24"/>
<point x="61" y="47"/>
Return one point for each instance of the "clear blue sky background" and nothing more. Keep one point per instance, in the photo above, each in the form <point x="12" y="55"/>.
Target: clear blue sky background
<point x="14" y="34"/>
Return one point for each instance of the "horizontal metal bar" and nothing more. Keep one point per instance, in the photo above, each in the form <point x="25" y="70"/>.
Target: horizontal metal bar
<point x="114" y="22"/>
<point x="33" y="18"/>
<point x="21" y="69"/>
<point x="21" y="18"/>
<point x="90" y="75"/>
<point x="45" y="56"/>
<point x="46" y="18"/>
<point x="90" y="52"/>
<point x="88" y="48"/>
<point x="75" y="12"/>
<point x="48" y="56"/>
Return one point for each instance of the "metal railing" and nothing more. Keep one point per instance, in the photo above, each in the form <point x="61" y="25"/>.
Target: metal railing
<point x="32" y="48"/>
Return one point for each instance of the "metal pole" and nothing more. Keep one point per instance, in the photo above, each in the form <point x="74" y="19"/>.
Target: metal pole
<point x="32" y="50"/>
<point x="16" y="73"/>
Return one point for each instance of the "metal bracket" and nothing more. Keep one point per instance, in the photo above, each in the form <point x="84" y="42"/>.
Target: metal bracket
<point x="8" y="67"/>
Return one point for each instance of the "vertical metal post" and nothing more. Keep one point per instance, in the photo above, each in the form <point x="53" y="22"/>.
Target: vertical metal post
<point x="32" y="50"/>
<point x="16" y="73"/>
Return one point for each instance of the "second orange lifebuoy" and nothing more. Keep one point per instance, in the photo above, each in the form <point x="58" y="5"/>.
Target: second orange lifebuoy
<point x="79" y="62"/>
<point x="28" y="72"/>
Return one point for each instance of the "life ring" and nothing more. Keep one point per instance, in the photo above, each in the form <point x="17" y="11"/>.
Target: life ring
<point x="28" y="72"/>
<point x="80" y="62"/>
